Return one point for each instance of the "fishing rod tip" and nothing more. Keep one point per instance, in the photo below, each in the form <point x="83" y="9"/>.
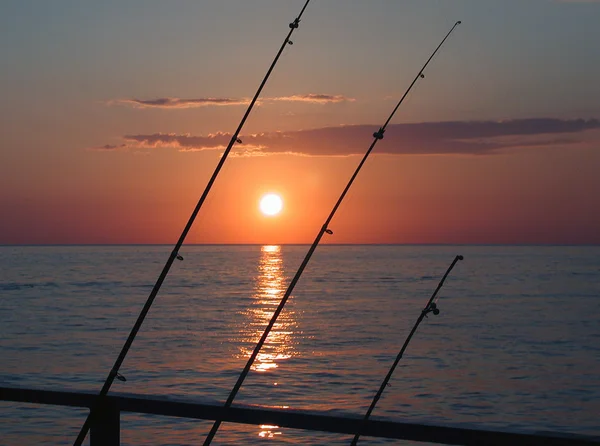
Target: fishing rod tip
<point x="459" y="22"/>
<point x="460" y="257"/>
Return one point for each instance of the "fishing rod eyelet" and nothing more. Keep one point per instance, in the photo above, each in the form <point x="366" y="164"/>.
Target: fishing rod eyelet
<point x="329" y="231"/>
<point x="422" y="76"/>
<point x="120" y="377"/>
<point x="179" y="257"/>
<point x="238" y="140"/>
<point x="294" y="24"/>
<point x="379" y="134"/>
<point x="290" y="42"/>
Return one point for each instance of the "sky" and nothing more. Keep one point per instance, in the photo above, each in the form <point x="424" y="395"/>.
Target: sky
<point x="114" y="115"/>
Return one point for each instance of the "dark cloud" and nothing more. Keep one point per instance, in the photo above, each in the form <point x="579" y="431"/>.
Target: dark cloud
<point x="469" y="137"/>
<point x="181" y="103"/>
<point x="109" y="147"/>
<point x="205" y="102"/>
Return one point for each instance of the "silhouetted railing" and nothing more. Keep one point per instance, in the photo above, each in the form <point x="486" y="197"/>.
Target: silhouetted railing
<point x="105" y="430"/>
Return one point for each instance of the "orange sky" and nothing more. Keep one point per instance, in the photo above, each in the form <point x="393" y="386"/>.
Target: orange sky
<point x="111" y="137"/>
<point x="506" y="198"/>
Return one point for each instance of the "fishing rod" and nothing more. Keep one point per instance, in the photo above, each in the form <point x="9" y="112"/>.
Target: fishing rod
<point x="114" y="373"/>
<point x="324" y="229"/>
<point x="431" y="307"/>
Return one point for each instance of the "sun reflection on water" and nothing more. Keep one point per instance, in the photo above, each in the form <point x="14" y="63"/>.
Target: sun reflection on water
<point x="267" y="431"/>
<point x="269" y="289"/>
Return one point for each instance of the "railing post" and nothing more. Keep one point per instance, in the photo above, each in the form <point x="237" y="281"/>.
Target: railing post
<point x="106" y="425"/>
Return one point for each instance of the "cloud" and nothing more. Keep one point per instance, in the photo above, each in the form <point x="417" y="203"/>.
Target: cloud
<point x="111" y="147"/>
<point x="180" y="103"/>
<point x="456" y="137"/>
<point x="314" y="98"/>
<point x="175" y="103"/>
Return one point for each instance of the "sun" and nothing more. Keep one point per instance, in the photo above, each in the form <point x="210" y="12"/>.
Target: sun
<point x="271" y="204"/>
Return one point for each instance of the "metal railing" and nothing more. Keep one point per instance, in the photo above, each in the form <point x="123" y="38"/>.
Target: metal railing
<point x="105" y="429"/>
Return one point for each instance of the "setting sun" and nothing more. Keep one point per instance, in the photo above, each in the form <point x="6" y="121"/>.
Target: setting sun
<point x="271" y="204"/>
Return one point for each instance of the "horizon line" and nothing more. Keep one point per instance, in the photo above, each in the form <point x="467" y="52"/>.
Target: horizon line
<point x="297" y="244"/>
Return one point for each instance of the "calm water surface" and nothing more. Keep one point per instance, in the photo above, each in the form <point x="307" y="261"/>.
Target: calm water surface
<point x="516" y="346"/>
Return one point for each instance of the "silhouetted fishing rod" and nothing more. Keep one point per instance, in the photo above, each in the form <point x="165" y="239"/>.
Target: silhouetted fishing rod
<point x="324" y="229"/>
<point x="431" y="307"/>
<point x="114" y="373"/>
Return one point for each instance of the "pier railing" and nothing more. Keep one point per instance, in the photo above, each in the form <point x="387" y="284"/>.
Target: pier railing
<point x="105" y="430"/>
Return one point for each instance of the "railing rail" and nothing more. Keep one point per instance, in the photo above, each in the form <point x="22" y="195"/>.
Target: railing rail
<point x="105" y="429"/>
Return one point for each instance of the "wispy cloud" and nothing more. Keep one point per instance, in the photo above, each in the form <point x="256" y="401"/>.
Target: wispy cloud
<point x="314" y="98"/>
<point x="178" y="103"/>
<point x="467" y="137"/>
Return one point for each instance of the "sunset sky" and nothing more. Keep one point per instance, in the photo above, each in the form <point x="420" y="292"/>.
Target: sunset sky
<point x="114" y="115"/>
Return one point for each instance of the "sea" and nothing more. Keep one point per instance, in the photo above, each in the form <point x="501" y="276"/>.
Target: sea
<point x="515" y="347"/>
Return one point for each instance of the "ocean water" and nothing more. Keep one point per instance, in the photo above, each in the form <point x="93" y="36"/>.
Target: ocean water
<point x="515" y="347"/>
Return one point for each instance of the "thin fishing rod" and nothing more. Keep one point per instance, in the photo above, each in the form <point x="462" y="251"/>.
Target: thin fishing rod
<point x="114" y="373"/>
<point x="431" y="307"/>
<point x="324" y="229"/>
